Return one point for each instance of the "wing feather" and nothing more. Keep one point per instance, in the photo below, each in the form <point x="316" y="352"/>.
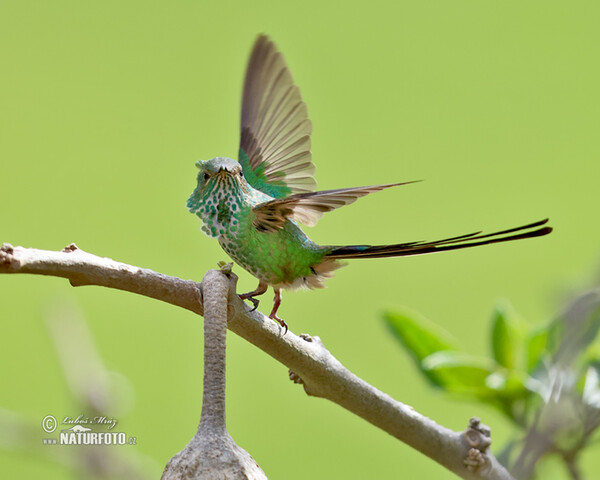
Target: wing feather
<point x="308" y="208"/>
<point x="275" y="142"/>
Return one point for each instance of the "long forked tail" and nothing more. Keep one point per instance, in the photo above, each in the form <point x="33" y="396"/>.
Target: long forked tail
<point x="454" y="243"/>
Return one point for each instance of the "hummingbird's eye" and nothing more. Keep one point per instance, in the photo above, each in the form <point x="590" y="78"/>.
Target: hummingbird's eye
<point x="206" y="177"/>
<point x="241" y="174"/>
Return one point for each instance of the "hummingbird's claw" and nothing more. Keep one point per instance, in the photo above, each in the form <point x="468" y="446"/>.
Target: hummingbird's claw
<point x="254" y="301"/>
<point x="262" y="288"/>
<point x="280" y="321"/>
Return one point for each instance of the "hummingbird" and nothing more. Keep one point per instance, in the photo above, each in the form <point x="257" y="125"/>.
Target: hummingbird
<point x="254" y="206"/>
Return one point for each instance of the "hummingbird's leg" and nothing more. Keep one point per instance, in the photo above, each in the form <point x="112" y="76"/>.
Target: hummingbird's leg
<point x="262" y="288"/>
<point x="273" y="315"/>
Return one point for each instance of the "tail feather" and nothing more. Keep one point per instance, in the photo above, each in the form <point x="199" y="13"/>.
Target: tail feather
<point x="454" y="243"/>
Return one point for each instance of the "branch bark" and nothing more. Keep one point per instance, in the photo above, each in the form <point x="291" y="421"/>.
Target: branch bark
<point x="310" y="363"/>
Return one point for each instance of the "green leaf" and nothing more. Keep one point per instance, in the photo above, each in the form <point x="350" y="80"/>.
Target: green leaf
<point x="420" y="337"/>
<point x="555" y="334"/>
<point x="592" y="354"/>
<point x="459" y="372"/>
<point x="506" y="336"/>
<point x="536" y="347"/>
<point x="510" y="384"/>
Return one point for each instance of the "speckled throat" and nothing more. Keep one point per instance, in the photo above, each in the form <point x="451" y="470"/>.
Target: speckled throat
<point x="219" y="207"/>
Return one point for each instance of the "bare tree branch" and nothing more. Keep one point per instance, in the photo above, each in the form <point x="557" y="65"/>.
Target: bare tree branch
<point x="464" y="453"/>
<point x="212" y="453"/>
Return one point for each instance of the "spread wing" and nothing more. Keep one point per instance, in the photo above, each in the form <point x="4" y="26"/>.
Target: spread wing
<point x="308" y="208"/>
<point x="275" y="144"/>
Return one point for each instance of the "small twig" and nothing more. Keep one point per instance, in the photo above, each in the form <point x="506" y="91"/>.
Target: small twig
<point x="314" y="366"/>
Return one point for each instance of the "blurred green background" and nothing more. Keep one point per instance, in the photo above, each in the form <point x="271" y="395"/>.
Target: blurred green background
<point x="105" y="107"/>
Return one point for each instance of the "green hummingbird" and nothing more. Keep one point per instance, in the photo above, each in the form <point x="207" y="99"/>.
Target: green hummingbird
<point x="253" y="206"/>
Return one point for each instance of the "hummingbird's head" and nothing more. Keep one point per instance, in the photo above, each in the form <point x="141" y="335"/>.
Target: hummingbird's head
<point x="219" y="166"/>
<point x="215" y="175"/>
<point x="220" y="186"/>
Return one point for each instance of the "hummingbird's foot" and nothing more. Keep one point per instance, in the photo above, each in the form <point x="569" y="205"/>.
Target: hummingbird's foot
<point x="280" y="321"/>
<point x="254" y="301"/>
<point x="273" y="315"/>
<point x="262" y="288"/>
